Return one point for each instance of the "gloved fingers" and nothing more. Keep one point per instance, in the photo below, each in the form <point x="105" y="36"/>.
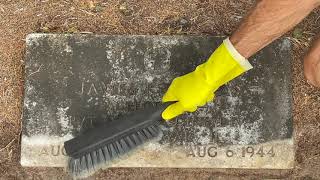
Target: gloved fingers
<point x="169" y="96"/>
<point x="209" y="98"/>
<point x="173" y="111"/>
<point x="192" y="109"/>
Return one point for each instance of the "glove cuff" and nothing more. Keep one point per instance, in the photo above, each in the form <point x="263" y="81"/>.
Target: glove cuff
<point x="242" y="61"/>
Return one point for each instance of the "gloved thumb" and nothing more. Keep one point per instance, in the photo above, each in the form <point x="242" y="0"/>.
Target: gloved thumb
<point x="172" y="111"/>
<point x="169" y="96"/>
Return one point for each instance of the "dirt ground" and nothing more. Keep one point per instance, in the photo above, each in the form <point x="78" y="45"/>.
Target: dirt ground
<point x="216" y="17"/>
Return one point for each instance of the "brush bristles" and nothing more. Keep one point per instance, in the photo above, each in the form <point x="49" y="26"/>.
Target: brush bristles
<point x="89" y="163"/>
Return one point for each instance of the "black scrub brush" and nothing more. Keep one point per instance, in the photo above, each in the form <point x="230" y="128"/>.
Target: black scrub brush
<point x="97" y="147"/>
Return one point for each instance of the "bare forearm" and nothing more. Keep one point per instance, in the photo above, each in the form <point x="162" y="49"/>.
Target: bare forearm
<point x="268" y="21"/>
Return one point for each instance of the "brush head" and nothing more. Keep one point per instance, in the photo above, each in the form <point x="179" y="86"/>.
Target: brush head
<point x="97" y="147"/>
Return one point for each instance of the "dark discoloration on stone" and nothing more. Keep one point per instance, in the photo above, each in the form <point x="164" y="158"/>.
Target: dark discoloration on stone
<point x="75" y="82"/>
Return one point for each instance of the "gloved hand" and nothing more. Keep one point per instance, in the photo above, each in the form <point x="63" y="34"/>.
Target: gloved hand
<point x="197" y="88"/>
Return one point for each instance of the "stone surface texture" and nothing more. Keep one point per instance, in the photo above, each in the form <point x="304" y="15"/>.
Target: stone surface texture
<point x="76" y="82"/>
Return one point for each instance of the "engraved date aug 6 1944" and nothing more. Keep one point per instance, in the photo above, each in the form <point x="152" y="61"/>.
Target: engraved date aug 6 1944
<point x="244" y="151"/>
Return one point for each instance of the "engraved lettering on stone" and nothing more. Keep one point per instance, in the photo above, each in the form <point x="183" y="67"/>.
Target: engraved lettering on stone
<point x="55" y="150"/>
<point x="104" y="87"/>
<point x="201" y="151"/>
<point x="212" y="151"/>
<point x="82" y="88"/>
<point x="82" y="122"/>
<point x="44" y="151"/>
<point x="191" y="152"/>
<point x="92" y="88"/>
<point x="229" y="153"/>
<point x="63" y="151"/>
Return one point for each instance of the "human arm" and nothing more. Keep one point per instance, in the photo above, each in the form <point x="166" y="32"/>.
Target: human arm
<point x="266" y="22"/>
<point x="269" y="20"/>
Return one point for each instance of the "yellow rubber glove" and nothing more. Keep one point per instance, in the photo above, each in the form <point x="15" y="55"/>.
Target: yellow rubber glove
<point x="197" y="88"/>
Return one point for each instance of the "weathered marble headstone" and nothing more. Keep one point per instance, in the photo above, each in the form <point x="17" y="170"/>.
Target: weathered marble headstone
<point x="76" y="82"/>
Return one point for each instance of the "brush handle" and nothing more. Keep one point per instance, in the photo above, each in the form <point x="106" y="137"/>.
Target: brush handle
<point x="109" y="132"/>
